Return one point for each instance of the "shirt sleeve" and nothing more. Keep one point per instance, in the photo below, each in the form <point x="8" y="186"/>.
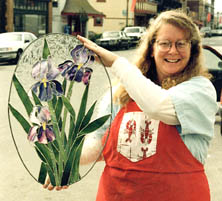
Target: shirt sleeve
<point x="195" y="105"/>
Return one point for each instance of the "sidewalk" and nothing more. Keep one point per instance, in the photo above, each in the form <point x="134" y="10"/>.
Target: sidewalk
<point x="214" y="164"/>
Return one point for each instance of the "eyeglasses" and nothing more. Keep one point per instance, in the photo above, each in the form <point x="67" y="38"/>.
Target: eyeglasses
<point x="166" y="45"/>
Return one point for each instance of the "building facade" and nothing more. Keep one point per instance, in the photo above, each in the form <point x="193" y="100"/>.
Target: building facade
<point x="85" y="16"/>
<point x="202" y="12"/>
<point x="28" y="15"/>
<point x="122" y="14"/>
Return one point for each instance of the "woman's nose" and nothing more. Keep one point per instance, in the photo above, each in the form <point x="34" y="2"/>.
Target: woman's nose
<point x="173" y="48"/>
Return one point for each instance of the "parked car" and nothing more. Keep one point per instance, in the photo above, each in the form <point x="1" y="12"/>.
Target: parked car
<point x="214" y="32"/>
<point x="135" y="33"/>
<point x="219" y="32"/>
<point x="206" y="32"/>
<point x="12" y="44"/>
<point x="213" y="61"/>
<point x="114" y="39"/>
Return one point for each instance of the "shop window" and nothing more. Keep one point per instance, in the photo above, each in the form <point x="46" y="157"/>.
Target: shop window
<point x="100" y="0"/>
<point x="98" y="21"/>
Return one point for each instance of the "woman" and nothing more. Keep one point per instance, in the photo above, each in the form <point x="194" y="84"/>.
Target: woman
<point x="159" y="139"/>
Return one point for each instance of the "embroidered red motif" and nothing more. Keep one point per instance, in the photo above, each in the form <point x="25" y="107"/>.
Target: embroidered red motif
<point x="144" y="152"/>
<point x="130" y="129"/>
<point x="146" y="134"/>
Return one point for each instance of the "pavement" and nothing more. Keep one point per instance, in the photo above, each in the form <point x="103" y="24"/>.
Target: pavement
<point x="17" y="185"/>
<point x="213" y="164"/>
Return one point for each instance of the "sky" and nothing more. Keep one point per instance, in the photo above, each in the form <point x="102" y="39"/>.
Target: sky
<point x="218" y="6"/>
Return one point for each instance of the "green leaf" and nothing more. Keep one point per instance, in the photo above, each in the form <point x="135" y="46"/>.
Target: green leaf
<point x="23" y="95"/>
<point x="94" y="125"/>
<point x="54" y="101"/>
<point x="88" y="116"/>
<point x="59" y="106"/>
<point x="82" y="109"/>
<point x="55" y="149"/>
<point x="64" y="84"/>
<point x="71" y="136"/>
<point x="46" y="51"/>
<point x="45" y="154"/>
<point x="69" y="107"/>
<point x="36" y="99"/>
<point x="59" y="140"/>
<point x="70" y="163"/>
<point x="71" y="128"/>
<point x="40" y="155"/>
<point x="42" y="173"/>
<point x="51" y="175"/>
<point x="24" y="123"/>
<point x="68" y="167"/>
<point x="75" y="175"/>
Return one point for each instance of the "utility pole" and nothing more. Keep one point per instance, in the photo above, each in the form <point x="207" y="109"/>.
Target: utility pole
<point x="127" y="12"/>
<point x="9" y="15"/>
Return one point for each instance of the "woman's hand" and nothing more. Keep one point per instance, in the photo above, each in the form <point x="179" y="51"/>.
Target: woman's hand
<point x="107" y="57"/>
<point x="50" y="187"/>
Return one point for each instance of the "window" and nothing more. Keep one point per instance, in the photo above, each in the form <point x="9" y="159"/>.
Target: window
<point x="98" y="21"/>
<point x="55" y="3"/>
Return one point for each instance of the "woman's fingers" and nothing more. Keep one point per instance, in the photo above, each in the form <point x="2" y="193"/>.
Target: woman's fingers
<point x="59" y="188"/>
<point x="88" y="44"/>
<point x="107" y="57"/>
<point x="46" y="183"/>
<point x="65" y="187"/>
<point x="50" y="187"/>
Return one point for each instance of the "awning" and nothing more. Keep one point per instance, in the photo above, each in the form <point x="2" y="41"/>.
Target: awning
<point x="76" y="7"/>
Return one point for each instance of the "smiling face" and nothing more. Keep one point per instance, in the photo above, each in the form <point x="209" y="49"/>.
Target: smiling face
<point x="172" y="61"/>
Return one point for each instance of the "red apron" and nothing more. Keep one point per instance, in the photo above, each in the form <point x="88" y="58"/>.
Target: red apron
<point x="146" y="160"/>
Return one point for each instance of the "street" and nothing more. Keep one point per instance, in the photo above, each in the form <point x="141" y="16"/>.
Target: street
<point x="17" y="185"/>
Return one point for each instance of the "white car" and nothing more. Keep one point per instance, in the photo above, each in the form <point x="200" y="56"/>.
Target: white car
<point x="205" y="32"/>
<point x="12" y="44"/>
<point x="135" y="33"/>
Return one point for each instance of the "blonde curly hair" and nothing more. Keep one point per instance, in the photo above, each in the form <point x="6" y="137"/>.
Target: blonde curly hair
<point x="145" y="62"/>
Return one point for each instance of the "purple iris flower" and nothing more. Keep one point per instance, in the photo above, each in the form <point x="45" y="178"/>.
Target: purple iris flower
<point x="42" y="132"/>
<point x="82" y="56"/>
<point x="87" y="75"/>
<point x="46" y="86"/>
<point x="77" y="70"/>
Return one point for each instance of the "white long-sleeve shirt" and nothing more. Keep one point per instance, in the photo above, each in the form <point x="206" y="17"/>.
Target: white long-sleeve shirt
<point x="190" y="106"/>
